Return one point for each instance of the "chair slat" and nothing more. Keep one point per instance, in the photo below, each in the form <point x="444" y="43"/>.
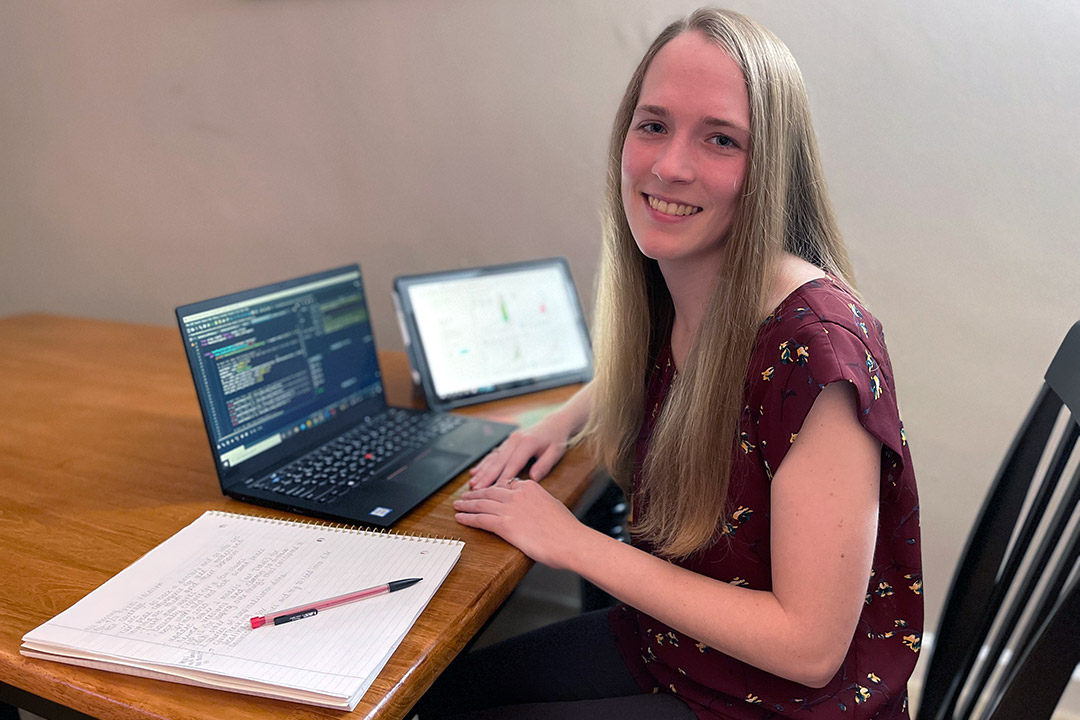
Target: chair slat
<point x="1040" y="558"/>
<point x="973" y="599"/>
<point x="1036" y="683"/>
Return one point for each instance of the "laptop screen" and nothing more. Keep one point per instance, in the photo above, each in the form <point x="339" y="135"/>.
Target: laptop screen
<point x="281" y="360"/>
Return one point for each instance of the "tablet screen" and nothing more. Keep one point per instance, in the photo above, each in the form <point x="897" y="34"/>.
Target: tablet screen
<point x="491" y="332"/>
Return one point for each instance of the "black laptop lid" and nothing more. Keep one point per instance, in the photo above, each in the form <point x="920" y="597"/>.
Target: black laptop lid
<point x="281" y="368"/>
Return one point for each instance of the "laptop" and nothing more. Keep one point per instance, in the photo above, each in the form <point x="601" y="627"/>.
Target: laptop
<point x="295" y="410"/>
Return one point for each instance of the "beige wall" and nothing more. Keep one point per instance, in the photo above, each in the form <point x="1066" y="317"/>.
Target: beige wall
<point x="155" y="153"/>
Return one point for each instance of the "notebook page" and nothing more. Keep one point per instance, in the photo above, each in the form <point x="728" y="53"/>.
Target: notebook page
<point x="186" y="604"/>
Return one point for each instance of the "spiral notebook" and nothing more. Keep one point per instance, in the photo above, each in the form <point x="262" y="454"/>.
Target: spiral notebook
<point x="182" y="611"/>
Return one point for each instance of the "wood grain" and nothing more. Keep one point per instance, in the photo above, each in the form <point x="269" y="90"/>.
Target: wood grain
<point x="103" y="455"/>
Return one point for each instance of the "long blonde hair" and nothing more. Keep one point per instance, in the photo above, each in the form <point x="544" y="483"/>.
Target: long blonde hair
<point x="784" y="206"/>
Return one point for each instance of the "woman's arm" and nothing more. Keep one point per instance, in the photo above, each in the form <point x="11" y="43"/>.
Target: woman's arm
<point x="546" y="442"/>
<point x="824" y="525"/>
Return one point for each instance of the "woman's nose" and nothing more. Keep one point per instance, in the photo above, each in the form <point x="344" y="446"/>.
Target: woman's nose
<point x="674" y="164"/>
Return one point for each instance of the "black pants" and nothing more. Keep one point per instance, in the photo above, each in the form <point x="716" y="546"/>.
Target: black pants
<point x="570" y="669"/>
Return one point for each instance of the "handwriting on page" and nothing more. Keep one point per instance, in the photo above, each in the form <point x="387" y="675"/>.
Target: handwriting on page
<point x="223" y="587"/>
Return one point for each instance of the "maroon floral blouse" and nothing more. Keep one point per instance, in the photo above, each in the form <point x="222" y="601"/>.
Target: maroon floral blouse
<point x="820" y="334"/>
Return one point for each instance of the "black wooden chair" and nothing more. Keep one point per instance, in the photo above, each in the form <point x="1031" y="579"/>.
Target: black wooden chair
<point x="1009" y="638"/>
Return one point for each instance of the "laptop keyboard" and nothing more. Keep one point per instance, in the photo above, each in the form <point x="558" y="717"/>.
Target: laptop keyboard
<point x="355" y="457"/>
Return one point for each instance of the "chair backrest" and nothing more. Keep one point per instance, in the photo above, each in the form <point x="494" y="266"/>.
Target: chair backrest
<point x="1011" y="615"/>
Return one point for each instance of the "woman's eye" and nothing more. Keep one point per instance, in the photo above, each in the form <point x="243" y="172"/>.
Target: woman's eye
<point x="723" y="141"/>
<point x="652" y="127"/>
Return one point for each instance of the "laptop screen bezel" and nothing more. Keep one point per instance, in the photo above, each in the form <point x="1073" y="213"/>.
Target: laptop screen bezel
<point x="414" y="345"/>
<point x="295" y="446"/>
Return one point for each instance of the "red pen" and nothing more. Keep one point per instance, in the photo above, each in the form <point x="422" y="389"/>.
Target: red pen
<point x="302" y="611"/>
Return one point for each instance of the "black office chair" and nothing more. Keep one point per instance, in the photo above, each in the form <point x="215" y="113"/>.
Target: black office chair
<point x="1017" y="587"/>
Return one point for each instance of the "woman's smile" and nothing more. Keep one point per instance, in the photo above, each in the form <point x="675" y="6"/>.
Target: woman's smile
<point x="670" y="208"/>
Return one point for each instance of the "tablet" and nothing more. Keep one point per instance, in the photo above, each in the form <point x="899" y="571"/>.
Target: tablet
<point x="485" y="333"/>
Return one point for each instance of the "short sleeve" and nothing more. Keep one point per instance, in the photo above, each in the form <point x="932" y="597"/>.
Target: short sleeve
<point x="813" y="356"/>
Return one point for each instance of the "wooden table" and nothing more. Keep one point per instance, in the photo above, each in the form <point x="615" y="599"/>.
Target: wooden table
<point x="103" y="455"/>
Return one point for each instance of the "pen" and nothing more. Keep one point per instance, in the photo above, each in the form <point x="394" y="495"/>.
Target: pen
<point x="302" y="611"/>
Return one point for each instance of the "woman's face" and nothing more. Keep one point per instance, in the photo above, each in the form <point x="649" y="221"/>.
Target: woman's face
<point x="686" y="152"/>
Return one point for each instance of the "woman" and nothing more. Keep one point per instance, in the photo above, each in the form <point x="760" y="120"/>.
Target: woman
<point x="744" y="400"/>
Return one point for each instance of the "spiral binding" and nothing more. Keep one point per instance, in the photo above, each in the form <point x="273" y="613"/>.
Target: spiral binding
<point x="338" y="527"/>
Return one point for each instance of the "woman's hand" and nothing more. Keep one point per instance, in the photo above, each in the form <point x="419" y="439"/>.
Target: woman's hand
<point x="546" y="443"/>
<point x="525" y="515"/>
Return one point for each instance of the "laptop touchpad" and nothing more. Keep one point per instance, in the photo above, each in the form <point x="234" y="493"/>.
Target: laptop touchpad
<point x="468" y="438"/>
<point x="430" y="469"/>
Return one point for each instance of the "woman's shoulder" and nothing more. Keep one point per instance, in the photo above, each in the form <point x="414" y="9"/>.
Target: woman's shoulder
<point x="822" y="326"/>
<point x="820" y="334"/>
<point x="820" y="305"/>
